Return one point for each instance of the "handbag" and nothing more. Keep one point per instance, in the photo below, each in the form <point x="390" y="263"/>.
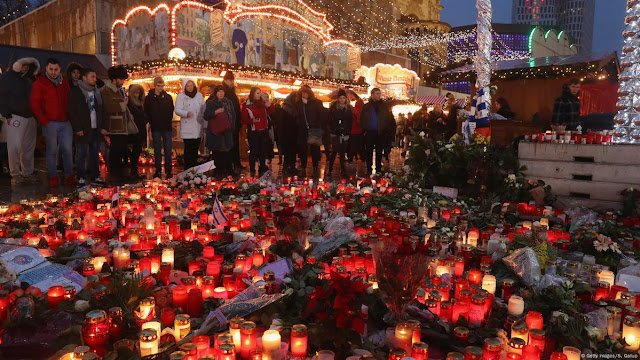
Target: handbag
<point x="132" y="128"/>
<point x="220" y="123"/>
<point x="315" y="137"/>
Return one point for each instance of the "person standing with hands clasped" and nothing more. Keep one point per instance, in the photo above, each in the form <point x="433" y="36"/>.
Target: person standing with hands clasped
<point x="49" y="100"/>
<point x="159" y="108"/>
<point x="311" y="124"/>
<point x="220" y="112"/>
<point x="340" y="118"/>
<point x="20" y="126"/>
<point x="376" y="120"/>
<point x="86" y="115"/>
<point x="190" y="108"/>
<point x="115" y="101"/>
<point x="256" y="115"/>
<point x="228" y="85"/>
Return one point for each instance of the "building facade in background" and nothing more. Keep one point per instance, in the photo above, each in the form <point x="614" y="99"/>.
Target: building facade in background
<point x="574" y="16"/>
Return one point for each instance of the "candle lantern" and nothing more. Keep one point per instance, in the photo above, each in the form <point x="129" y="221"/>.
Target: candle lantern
<point x="167" y="316"/>
<point x="4" y="305"/>
<point x="248" y="340"/>
<point x="558" y="356"/>
<point x="513" y="356"/>
<point x="530" y="352"/>
<point x="209" y="252"/>
<point x="472" y="353"/>
<point x="95" y="331"/>
<point x="220" y="293"/>
<point x="515" y="306"/>
<point x="516" y="345"/>
<point x="271" y="344"/>
<point x="489" y="283"/>
<point x="168" y="256"/>
<point x="602" y="291"/>
<point x="455" y="356"/>
<point x="194" y="303"/>
<point x="446" y="310"/>
<point x="178" y="355"/>
<point x="299" y="338"/>
<point x="257" y="258"/>
<point x="208" y="286"/>
<point x="190" y="349"/>
<point x="180" y="296"/>
<point x="403" y="336"/>
<point x="519" y="330"/>
<point x="631" y="333"/>
<point x="534" y="320"/>
<point x="475" y="277"/>
<point x="420" y="351"/>
<point x="460" y="308"/>
<point x="476" y="311"/>
<point x="397" y="354"/>
<point x="491" y="349"/>
<point x="416" y="330"/>
<point x="116" y="321"/>
<point x="202" y="343"/>
<point x="213" y="268"/>
<point x="182" y="326"/>
<point x="537" y="338"/>
<point x="121" y="258"/>
<point x="606" y="276"/>
<point x="146" y="310"/>
<point x="148" y="342"/>
<point x="234" y="330"/>
<point x="55" y="295"/>
<point x="461" y="334"/>
<point x="507" y="288"/>
<point x="572" y="353"/>
<point x="226" y="352"/>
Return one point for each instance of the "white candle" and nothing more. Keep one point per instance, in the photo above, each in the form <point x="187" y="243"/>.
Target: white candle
<point x="544" y="222"/>
<point x="404" y="336"/>
<point x="167" y="256"/>
<point x="97" y="262"/>
<point x="121" y="258"/>
<point x="526" y="225"/>
<point x="153" y="325"/>
<point x="271" y="343"/>
<point x="149" y="342"/>
<point x="607" y="276"/>
<point x="472" y="238"/>
<point x="516" y="305"/>
<point x="489" y="283"/>
<point x="631" y="333"/>
<point x="571" y="352"/>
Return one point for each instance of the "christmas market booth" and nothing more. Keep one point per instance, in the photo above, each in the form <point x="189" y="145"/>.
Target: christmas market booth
<point x="531" y="86"/>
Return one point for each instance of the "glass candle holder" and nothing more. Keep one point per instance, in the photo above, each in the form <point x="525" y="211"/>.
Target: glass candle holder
<point x="519" y="330"/>
<point x="455" y="356"/>
<point x="631" y="333"/>
<point x="146" y="310"/>
<point x="271" y="345"/>
<point x="530" y="352"/>
<point x="507" y="288"/>
<point x="558" y="356"/>
<point x="116" y="322"/>
<point x="516" y="345"/>
<point x="179" y="295"/>
<point x="489" y="283"/>
<point x="182" y="326"/>
<point x="403" y="336"/>
<point x="95" y="331"/>
<point x="55" y="295"/>
<point x="492" y="348"/>
<point x="234" y="331"/>
<point x="299" y="339"/>
<point x="516" y="305"/>
<point x="602" y="291"/>
<point x="397" y="354"/>
<point x="476" y="311"/>
<point x="416" y="328"/>
<point x="148" y="342"/>
<point x="537" y="338"/>
<point x="226" y="352"/>
<point x="420" y="351"/>
<point x="534" y="320"/>
<point x="461" y="334"/>
<point x="572" y="353"/>
<point x="472" y="353"/>
<point x="248" y="339"/>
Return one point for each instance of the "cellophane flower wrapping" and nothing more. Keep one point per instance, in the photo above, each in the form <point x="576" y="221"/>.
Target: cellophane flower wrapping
<point x="524" y="263"/>
<point x="400" y="269"/>
<point x="338" y="232"/>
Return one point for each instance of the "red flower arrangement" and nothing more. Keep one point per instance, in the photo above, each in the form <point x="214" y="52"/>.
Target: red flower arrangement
<point x="340" y="299"/>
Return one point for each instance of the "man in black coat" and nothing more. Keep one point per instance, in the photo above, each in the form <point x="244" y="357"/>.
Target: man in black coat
<point x="377" y="122"/>
<point x="159" y="108"/>
<point x="86" y="114"/>
<point x="230" y="93"/>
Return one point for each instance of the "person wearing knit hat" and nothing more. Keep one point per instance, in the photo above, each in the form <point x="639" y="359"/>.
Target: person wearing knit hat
<point x="228" y="85"/>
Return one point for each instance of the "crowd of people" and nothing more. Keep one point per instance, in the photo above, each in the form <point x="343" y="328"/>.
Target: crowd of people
<point x="84" y="120"/>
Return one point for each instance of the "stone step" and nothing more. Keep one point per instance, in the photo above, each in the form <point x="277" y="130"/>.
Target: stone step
<point x="543" y="169"/>
<point x="599" y="154"/>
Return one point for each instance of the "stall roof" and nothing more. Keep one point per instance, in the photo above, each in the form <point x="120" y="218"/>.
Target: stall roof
<point x="543" y="67"/>
<point x="9" y="54"/>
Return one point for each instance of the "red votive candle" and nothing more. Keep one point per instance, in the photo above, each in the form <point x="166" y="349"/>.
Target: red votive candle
<point x="475" y="277"/>
<point x="530" y="352"/>
<point x="194" y="303"/>
<point x="257" y="258"/>
<point x="537" y="338"/>
<point x="299" y="339"/>
<point x="460" y="308"/>
<point x="534" y="320"/>
<point x="558" y="356"/>
<point x="4" y="304"/>
<point x="420" y="351"/>
<point x="95" y="331"/>
<point x="209" y="252"/>
<point x="55" y="294"/>
<point x="202" y="343"/>
<point x="194" y="266"/>
<point x="208" y="285"/>
<point x="145" y="265"/>
<point x="248" y="339"/>
<point x="213" y="268"/>
<point x="180" y="296"/>
<point x="167" y="316"/>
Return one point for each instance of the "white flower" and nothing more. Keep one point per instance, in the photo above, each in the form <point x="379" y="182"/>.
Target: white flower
<point x="600" y="246"/>
<point x="245" y="186"/>
<point x="449" y="147"/>
<point x="254" y="197"/>
<point x="185" y="183"/>
<point x="81" y="305"/>
<point x="422" y="134"/>
<point x="615" y="247"/>
<point x="197" y="181"/>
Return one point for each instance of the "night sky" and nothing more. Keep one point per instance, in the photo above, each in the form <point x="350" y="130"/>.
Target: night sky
<point x="607" y="29"/>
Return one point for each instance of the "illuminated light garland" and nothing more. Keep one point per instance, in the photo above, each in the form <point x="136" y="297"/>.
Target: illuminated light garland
<point x="191" y="4"/>
<point x="124" y="22"/>
<point x="234" y="13"/>
<point x="195" y="64"/>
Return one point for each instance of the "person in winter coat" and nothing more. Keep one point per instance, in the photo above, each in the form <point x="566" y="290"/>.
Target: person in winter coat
<point x="356" y="138"/>
<point x="340" y="119"/>
<point x="377" y="121"/>
<point x="159" y="108"/>
<point x="74" y="74"/>
<point x="20" y="124"/>
<point x="451" y="121"/>
<point x="255" y="115"/>
<point x="86" y="115"/>
<point x="288" y="132"/>
<point x="221" y="145"/>
<point x="190" y="108"/>
<point x="566" y="109"/>
<point x="115" y="102"/>
<point x="49" y="100"/>
<point x="139" y="140"/>
<point x="228" y="84"/>
<point x="435" y="123"/>
<point x="311" y="119"/>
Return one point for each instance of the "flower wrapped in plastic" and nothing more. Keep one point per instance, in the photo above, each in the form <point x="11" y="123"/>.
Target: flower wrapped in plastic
<point x="524" y="262"/>
<point x="400" y="268"/>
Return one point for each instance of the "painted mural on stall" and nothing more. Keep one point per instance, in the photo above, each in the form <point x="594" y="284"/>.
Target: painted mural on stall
<point x="206" y="35"/>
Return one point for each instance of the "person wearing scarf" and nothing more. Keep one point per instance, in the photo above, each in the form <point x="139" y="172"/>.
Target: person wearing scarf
<point x="340" y="125"/>
<point x="190" y="108"/>
<point x="221" y="145"/>
<point x="86" y="115"/>
<point x="377" y="121"/>
<point x="137" y="141"/>
<point x="255" y="115"/>
<point x="49" y="99"/>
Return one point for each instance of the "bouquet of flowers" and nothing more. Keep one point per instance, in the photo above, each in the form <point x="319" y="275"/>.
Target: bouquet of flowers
<point x="189" y="180"/>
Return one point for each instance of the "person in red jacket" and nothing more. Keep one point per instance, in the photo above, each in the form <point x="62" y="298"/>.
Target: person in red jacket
<point x="49" y="101"/>
<point x="255" y="114"/>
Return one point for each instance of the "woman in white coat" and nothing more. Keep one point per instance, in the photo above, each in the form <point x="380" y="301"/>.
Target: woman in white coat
<point x="190" y="108"/>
